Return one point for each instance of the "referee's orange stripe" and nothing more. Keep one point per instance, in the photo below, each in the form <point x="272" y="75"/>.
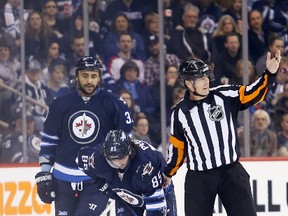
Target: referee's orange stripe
<point x="180" y="147"/>
<point x="244" y="99"/>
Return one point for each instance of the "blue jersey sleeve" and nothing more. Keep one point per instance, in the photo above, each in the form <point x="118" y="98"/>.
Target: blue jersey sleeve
<point x="123" y="119"/>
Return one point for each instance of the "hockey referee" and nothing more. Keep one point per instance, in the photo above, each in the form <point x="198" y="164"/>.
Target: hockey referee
<point x="203" y="130"/>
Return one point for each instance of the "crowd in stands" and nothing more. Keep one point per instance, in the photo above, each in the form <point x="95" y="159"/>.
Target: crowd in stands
<point x="124" y="35"/>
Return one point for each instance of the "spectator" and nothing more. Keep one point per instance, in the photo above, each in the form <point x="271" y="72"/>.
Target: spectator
<point x="95" y="16"/>
<point x="135" y="11"/>
<point x="171" y="82"/>
<point x="9" y="73"/>
<point x="209" y="15"/>
<point x="272" y="16"/>
<point x="77" y="50"/>
<point x="12" y="145"/>
<point x="178" y="95"/>
<point x="141" y="129"/>
<point x="282" y="137"/>
<point x="281" y="11"/>
<point x="10" y="19"/>
<point x="239" y="73"/>
<point x="95" y="42"/>
<point x="134" y="108"/>
<point x="47" y="53"/>
<point x="277" y="90"/>
<point x="57" y="78"/>
<point x="125" y="44"/>
<point x="5" y="36"/>
<point x="225" y="61"/>
<point x="37" y="33"/>
<point x="95" y="25"/>
<point x="275" y="43"/>
<point x="152" y="30"/>
<point x="152" y="64"/>
<point x="226" y="26"/>
<point x="141" y="94"/>
<point x="120" y="25"/>
<point x="258" y="35"/>
<point x="280" y="107"/>
<point x="263" y="141"/>
<point x="9" y="65"/>
<point x="235" y="11"/>
<point x="36" y="90"/>
<point x="187" y="41"/>
<point x="50" y="11"/>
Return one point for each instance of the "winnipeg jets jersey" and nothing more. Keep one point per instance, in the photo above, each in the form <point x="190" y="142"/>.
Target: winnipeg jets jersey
<point x="141" y="182"/>
<point x="74" y="122"/>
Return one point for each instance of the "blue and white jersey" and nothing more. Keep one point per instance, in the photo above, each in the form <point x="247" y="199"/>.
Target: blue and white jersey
<point x="74" y="122"/>
<point x="140" y="184"/>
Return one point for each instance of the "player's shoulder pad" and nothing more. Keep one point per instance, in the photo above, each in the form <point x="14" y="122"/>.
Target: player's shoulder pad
<point x="147" y="153"/>
<point x="110" y="97"/>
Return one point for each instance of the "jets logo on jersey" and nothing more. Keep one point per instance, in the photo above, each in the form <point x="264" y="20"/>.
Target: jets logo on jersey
<point x="148" y="169"/>
<point x="216" y="113"/>
<point x="84" y="127"/>
<point x="129" y="197"/>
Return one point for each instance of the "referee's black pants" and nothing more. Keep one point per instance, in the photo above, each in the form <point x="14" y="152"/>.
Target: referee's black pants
<point x="230" y="182"/>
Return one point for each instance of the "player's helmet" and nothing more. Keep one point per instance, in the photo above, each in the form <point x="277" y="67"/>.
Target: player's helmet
<point x="192" y="69"/>
<point x="117" y="145"/>
<point x="88" y="63"/>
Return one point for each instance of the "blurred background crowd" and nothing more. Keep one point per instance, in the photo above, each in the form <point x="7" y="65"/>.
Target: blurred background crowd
<point x="124" y="35"/>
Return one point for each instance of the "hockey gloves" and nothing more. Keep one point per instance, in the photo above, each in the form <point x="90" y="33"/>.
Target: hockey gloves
<point x="45" y="186"/>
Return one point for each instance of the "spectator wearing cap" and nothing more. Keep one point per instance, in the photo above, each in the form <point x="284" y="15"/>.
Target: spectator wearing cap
<point x="36" y="90"/>
<point x="125" y="44"/>
<point x="57" y="78"/>
<point x="12" y="145"/>
<point x="140" y="92"/>
<point x="9" y="68"/>
<point x="152" y="29"/>
<point x="152" y="64"/>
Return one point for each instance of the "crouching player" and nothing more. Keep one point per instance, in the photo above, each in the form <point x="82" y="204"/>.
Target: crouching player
<point x="131" y="173"/>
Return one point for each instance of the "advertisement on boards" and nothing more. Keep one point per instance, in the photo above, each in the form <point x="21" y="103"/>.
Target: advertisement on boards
<point x="269" y="181"/>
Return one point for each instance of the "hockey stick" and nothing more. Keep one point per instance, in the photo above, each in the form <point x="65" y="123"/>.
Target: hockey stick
<point x="108" y="208"/>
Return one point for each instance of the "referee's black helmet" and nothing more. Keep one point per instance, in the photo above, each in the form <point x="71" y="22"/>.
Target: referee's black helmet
<point x="88" y="63"/>
<point x="193" y="69"/>
<point x="117" y="145"/>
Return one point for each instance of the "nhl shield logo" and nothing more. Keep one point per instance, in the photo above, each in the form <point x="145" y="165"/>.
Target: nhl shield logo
<point x="216" y="113"/>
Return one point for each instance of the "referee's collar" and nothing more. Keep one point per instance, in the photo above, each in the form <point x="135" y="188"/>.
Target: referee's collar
<point x="191" y="103"/>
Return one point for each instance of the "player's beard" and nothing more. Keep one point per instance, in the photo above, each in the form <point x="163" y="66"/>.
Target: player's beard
<point x="86" y="93"/>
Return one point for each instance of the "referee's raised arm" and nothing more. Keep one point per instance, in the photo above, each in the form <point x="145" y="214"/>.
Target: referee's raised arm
<point x="203" y="130"/>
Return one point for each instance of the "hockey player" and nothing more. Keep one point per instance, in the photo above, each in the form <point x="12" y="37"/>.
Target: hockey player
<point x="80" y="118"/>
<point x="132" y="171"/>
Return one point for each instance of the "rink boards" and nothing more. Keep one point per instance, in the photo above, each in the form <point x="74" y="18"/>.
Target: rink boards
<point x="269" y="181"/>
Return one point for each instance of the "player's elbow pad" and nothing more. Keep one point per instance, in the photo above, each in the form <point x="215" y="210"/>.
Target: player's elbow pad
<point x="156" y="203"/>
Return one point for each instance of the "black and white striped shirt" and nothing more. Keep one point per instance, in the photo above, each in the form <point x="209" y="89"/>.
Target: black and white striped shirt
<point x="204" y="131"/>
